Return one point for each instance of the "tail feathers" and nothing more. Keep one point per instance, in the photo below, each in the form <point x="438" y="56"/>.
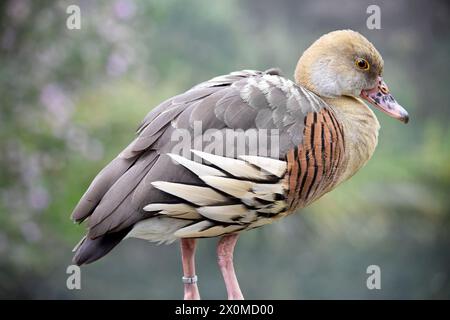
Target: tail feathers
<point x="98" y="188"/>
<point x="89" y="250"/>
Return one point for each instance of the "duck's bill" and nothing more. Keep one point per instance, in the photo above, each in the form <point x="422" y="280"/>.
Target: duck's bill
<point x="383" y="100"/>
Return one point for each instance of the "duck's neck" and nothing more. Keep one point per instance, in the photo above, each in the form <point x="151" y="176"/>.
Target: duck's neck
<point x="360" y="131"/>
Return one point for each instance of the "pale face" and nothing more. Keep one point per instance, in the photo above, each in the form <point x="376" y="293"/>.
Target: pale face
<point x="344" y="63"/>
<point x="345" y="71"/>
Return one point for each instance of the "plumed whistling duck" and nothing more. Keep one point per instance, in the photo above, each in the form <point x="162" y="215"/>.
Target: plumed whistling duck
<point x="324" y="130"/>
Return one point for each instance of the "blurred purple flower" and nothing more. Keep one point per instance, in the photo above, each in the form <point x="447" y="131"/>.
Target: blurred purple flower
<point x="30" y="168"/>
<point x="18" y="10"/>
<point x="31" y="231"/>
<point x="124" y="9"/>
<point x="38" y="198"/>
<point x="57" y="103"/>
<point x="117" y="64"/>
<point x="79" y="141"/>
<point x="112" y="31"/>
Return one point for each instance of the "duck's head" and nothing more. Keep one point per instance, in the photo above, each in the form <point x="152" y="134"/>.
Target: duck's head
<point x="344" y="63"/>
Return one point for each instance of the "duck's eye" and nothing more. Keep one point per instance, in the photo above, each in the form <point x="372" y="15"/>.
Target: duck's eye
<point x="362" y="64"/>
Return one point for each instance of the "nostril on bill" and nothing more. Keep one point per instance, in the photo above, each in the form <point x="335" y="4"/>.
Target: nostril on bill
<point x="384" y="89"/>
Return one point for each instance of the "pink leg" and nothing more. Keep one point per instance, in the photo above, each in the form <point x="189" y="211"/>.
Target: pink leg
<point x="188" y="259"/>
<point x="225" y="250"/>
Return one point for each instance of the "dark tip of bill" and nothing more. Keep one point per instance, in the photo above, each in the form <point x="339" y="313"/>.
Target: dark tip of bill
<point x="405" y="119"/>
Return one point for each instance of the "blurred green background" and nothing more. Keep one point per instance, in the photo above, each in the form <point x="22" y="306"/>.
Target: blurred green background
<point x="70" y="100"/>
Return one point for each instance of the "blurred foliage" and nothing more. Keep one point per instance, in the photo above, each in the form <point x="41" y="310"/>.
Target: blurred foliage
<point x="71" y="99"/>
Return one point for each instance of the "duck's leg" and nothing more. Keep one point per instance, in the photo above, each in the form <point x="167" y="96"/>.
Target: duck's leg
<point x="225" y="250"/>
<point x="189" y="276"/>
